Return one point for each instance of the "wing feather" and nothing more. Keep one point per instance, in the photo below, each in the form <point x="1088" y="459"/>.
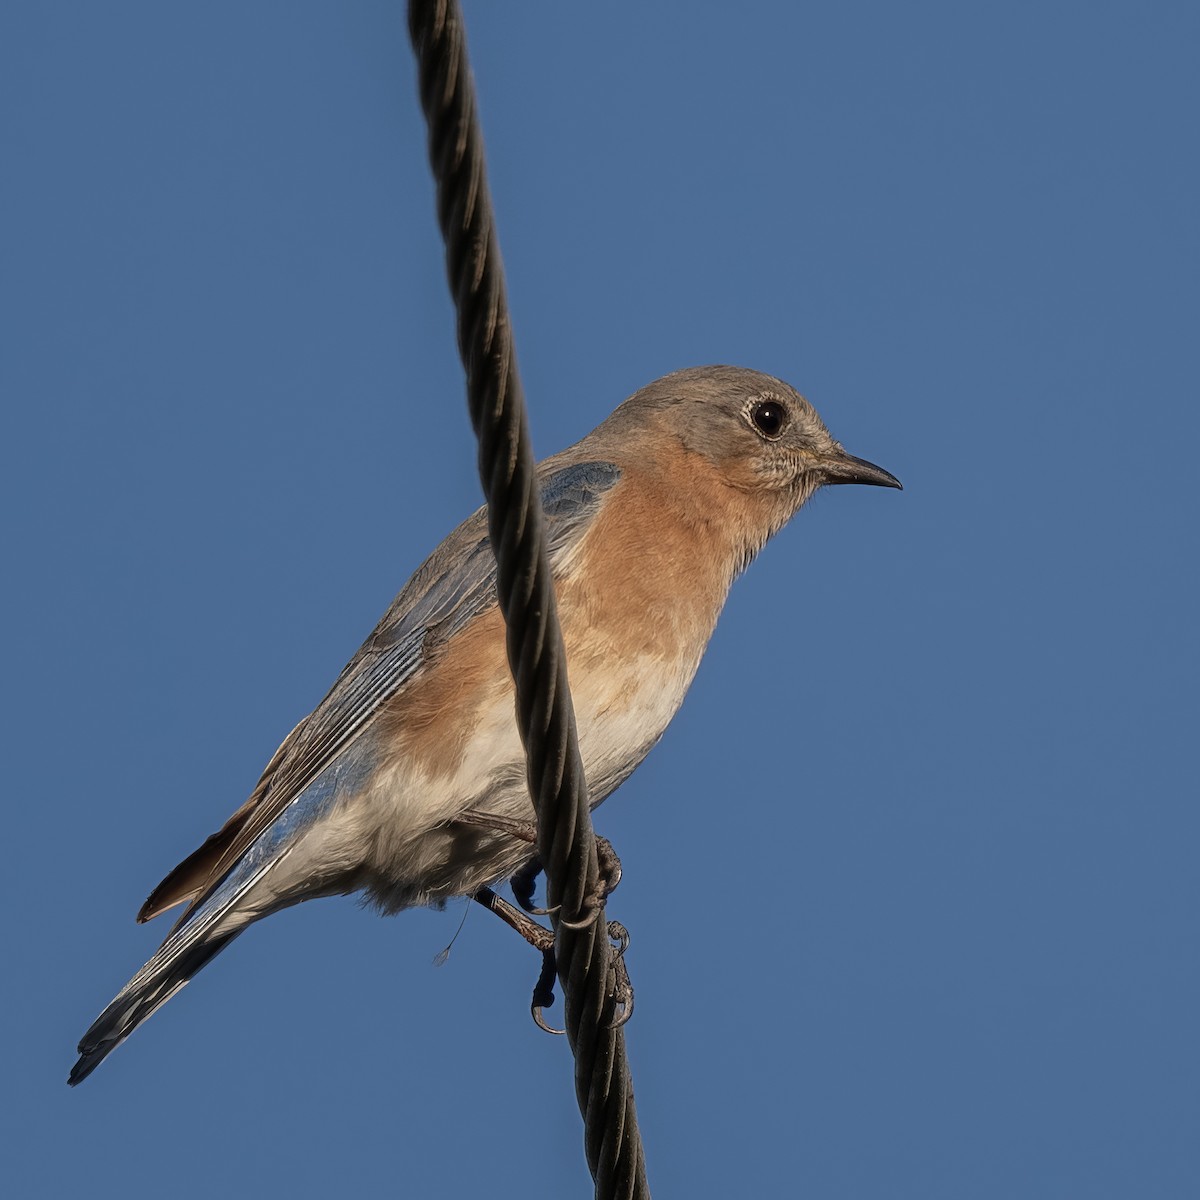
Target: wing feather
<point x="455" y="586"/>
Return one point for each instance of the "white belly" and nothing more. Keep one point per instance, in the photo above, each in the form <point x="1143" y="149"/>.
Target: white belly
<point x="401" y="825"/>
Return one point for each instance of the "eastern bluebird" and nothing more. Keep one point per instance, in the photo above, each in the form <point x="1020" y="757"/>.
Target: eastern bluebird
<point x="409" y="778"/>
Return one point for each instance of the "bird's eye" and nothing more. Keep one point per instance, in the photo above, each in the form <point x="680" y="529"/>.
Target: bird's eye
<point x="769" y="417"/>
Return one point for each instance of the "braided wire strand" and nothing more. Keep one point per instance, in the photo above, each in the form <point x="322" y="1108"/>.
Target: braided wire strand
<point x="566" y="843"/>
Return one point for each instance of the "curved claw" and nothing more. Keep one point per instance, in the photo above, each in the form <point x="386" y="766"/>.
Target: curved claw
<point x="610" y="876"/>
<point x="622" y="987"/>
<point x="610" y="867"/>
<point x="536" y="1012"/>
<point x="621" y="1016"/>
<point x="543" y="993"/>
<point x="591" y="912"/>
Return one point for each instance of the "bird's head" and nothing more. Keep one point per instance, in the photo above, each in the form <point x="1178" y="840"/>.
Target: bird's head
<point x="760" y="433"/>
<point x="755" y="433"/>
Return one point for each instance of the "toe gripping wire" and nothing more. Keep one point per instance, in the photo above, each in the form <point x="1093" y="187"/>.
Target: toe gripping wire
<point x="566" y="843"/>
<point x="524" y="884"/>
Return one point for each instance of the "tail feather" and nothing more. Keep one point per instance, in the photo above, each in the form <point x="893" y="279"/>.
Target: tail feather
<point x="189" y="879"/>
<point x="143" y="995"/>
<point x="250" y="889"/>
<point x="196" y="873"/>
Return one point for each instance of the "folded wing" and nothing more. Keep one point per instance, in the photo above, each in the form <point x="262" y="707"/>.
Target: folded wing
<point x="317" y="760"/>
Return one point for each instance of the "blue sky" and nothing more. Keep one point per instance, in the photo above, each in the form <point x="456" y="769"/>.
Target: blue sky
<point x="911" y="879"/>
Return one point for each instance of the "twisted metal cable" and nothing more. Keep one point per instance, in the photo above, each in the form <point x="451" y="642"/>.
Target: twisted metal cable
<point x="566" y="843"/>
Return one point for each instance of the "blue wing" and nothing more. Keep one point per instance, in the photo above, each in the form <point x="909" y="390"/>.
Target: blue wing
<point x="326" y="756"/>
<point x="456" y="585"/>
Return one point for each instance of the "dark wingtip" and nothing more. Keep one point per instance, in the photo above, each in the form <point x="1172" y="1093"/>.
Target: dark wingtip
<point x="89" y="1060"/>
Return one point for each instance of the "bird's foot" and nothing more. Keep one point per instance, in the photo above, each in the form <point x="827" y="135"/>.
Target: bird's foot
<point x="543" y="992"/>
<point x="524" y="883"/>
<point x="542" y="940"/>
<point x="622" y="987"/>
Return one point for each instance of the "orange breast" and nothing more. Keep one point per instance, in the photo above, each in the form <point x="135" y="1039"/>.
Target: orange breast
<point x="639" y="594"/>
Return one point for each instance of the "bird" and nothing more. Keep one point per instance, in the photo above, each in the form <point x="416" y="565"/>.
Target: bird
<point x="407" y="781"/>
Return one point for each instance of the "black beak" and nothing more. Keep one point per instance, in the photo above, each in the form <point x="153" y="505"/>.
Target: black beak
<point x="841" y="467"/>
